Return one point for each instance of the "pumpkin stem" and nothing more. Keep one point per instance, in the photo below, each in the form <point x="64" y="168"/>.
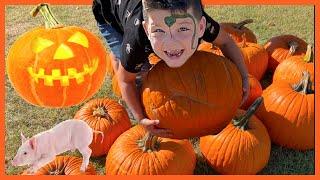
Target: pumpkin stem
<point x="241" y="24"/>
<point x="101" y="112"/>
<point x="304" y="86"/>
<point x="309" y="54"/>
<point x="149" y="143"/>
<point x="244" y="40"/>
<point x="242" y="121"/>
<point x="50" y="20"/>
<point x="293" y="47"/>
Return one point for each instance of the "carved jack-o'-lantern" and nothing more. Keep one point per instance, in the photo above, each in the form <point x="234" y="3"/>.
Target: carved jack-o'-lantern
<point x="56" y="66"/>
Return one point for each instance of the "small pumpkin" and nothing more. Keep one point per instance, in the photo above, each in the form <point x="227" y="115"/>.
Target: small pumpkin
<point x="136" y="152"/>
<point x="282" y="47"/>
<point x="255" y="58"/>
<point x="291" y="69"/>
<point x="243" y="147"/>
<point x="288" y="113"/>
<point x="64" y="165"/>
<point x="255" y="92"/>
<point x="191" y="100"/>
<point x="107" y="116"/>
<point x="209" y="47"/>
<point x="56" y="66"/>
<point x="236" y="30"/>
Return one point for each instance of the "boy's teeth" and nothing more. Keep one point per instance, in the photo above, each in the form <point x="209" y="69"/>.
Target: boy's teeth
<point x="174" y="53"/>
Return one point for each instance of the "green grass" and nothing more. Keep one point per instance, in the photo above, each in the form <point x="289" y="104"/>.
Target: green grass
<point x="269" y="21"/>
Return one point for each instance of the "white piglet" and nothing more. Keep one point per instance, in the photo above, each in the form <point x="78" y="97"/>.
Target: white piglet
<point x="42" y="148"/>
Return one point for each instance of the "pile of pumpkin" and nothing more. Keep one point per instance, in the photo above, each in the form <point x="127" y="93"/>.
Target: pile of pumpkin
<point x="233" y="141"/>
<point x="242" y="147"/>
<point x="199" y="99"/>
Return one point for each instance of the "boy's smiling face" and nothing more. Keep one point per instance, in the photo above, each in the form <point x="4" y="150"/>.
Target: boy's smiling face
<point x="174" y="37"/>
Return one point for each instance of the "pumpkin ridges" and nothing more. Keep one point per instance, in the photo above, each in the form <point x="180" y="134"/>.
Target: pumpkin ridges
<point x="112" y="126"/>
<point x="145" y="162"/>
<point x="289" y="121"/>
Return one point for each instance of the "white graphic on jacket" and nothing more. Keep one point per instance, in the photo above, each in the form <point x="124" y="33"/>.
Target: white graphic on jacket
<point x="128" y="48"/>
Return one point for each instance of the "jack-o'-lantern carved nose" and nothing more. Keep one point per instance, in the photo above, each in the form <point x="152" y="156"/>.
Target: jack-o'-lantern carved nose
<point x="63" y="52"/>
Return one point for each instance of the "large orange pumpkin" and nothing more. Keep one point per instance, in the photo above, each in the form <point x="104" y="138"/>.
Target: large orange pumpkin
<point x="291" y="69"/>
<point x="282" y="47"/>
<point x="254" y="93"/>
<point x="288" y="113"/>
<point x="56" y="66"/>
<point x="64" y="165"/>
<point x="243" y="147"/>
<point x="107" y="116"/>
<point x="237" y="30"/>
<point x="255" y="58"/>
<point x="137" y="153"/>
<point x="196" y="99"/>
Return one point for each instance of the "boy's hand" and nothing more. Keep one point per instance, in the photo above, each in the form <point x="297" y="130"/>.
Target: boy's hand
<point x="150" y="126"/>
<point x="245" y="89"/>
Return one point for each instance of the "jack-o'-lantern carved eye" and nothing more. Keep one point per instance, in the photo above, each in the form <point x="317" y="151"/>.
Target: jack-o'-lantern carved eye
<point x="79" y="38"/>
<point x="39" y="44"/>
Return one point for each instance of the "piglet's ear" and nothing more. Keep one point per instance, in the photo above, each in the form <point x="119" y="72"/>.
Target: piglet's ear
<point x="23" y="138"/>
<point x="32" y="143"/>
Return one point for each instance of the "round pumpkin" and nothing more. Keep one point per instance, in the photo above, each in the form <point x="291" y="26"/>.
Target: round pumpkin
<point x="237" y="30"/>
<point x="196" y="99"/>
<point x="64" y="165"/>
<point x="255" y="92"/>
<point x="137" y="153"/>
<point x="243" y="147"/>
<point x="56" y="66"/>
<point x="282" y="47"/>
<point x="288" y="113"/>
<point x="291" y="69"/>
<point x="209" y="47"/>
<point x="107" y="116"/>
<point x="255" y="58"/>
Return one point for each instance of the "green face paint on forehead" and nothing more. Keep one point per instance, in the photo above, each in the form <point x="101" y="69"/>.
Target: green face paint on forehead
<point x="170" y="20"/>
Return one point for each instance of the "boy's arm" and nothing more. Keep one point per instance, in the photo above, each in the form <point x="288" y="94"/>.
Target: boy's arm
<point x="219" y="37"/>
<point x="232" y="52"/>
<point x="130" y="95"/>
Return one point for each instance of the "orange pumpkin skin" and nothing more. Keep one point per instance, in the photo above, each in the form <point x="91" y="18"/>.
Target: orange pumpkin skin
<point x="209" y="47"/>
<point x="109" y="68"/>
<point x="288" y="116"/>
<point x="51" y="79"/>
<point x="255" y="91"/>
<point x="255" y="58"/>
<point x="291" y="69"/>
<point x="153" y="59"/>
<point x="278" y="49"/>
<point x="126" y="158"/>
<point x="191" y="100"/>
<point x="236" y="151"/>
<point x="64" y="165"/>
<point x="107" y="116"/>
<point x="236" y="30"/>
<point x="115" y="86"/>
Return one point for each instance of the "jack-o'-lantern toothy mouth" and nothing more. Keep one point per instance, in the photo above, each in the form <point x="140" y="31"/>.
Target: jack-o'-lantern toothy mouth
<point x="72" y="73"/>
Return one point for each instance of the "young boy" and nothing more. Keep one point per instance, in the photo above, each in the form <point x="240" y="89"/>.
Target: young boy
<point x="171" y="28"/>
